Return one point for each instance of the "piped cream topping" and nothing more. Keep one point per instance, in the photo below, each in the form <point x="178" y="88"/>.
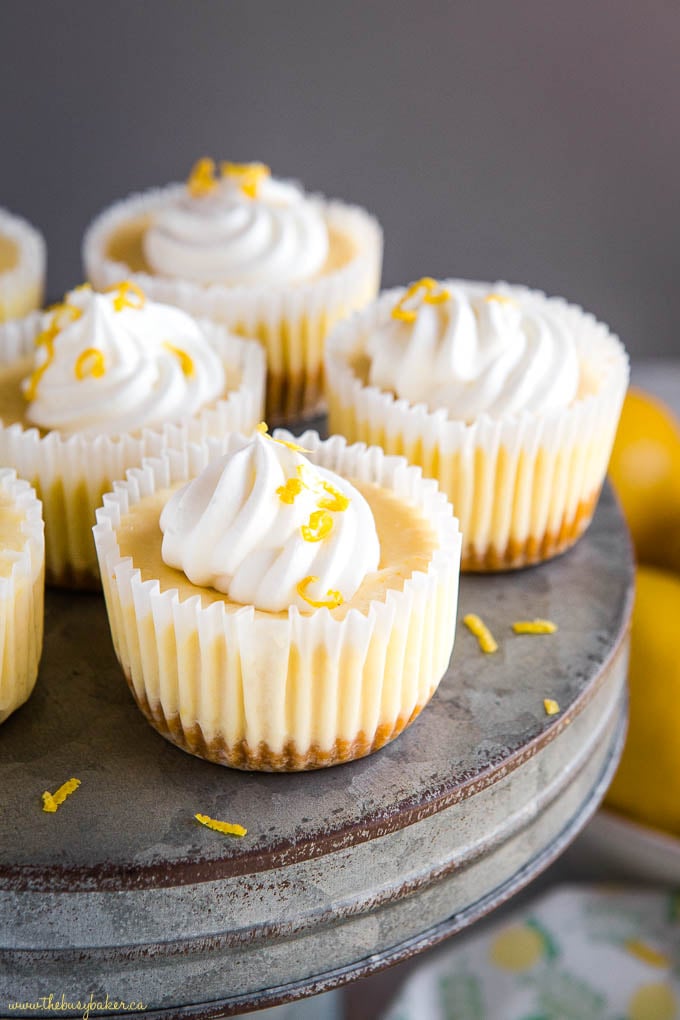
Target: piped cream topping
<point x="115" y="362"/>
<point x="268" y="528"/>
<point x="238" y="226"/>
<point x="473" y="350"/>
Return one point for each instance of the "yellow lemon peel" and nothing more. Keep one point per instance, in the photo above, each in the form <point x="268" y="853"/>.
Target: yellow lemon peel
<point x="290" y="490"/>
<point x="128" y="295"/>
<point x="430" y="292"/>
<point x="202" y="179"/>
<point x="247" y="176"/>
<point x="51" y="801"/>
<point x="551" y="706"/>
<point x="186" y="362"/>
<point x="320" y="525"/>
<point x="332" y="600"/>
<point x="228" y="828"/>
<point x="476" y="626"/>
<point x="90" y="362"/>
<point x="62" y="316"/>
<point x="646" y="953"/>
<point x="534" y="627"/>
<point x="263" y="429"/>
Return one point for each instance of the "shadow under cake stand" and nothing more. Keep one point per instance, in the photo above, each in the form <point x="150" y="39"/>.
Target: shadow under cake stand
<point x="343" y="870"/>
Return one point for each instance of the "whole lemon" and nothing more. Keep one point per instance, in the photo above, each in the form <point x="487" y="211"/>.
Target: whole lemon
<point x="645" y="471"/>
<point x="647" y="784"/>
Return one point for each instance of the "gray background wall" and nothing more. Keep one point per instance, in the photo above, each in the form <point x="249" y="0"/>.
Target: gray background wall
<point x="534" y="141"/>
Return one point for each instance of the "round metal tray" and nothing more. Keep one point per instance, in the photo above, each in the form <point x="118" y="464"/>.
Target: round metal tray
<point x="343" y="870"/>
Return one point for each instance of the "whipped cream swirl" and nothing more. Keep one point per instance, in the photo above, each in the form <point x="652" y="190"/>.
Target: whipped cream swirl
<point x="473" y="350"/>
<point x="269" y="529"/>
<point x="115" y="362"/>
<point x="231" y="236"/>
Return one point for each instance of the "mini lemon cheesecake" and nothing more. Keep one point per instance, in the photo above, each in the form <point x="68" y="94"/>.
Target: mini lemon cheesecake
<point x="277" y="606"/>
<point x="99" y="381"/>
<point x="22" y="585"/>
<point x="239" y="246"/>
<point x="508" y="398"/>
<point x="22" y="267"/>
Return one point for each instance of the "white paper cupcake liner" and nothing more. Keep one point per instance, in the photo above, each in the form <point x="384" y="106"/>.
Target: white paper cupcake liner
<point x="291" y="322"/>
<point x="525" y="487"/>
<point x="71" y="473"/>
<point x="281" y="693"/>
<point x="22" y="287"/>
<point x="22" y="587"/>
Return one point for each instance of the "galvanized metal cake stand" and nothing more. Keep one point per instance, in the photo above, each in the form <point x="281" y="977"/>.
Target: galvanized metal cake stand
<point x="343" y="871"/>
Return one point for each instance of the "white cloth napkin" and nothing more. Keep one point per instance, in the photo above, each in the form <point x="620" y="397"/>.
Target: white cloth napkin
<point x="579" y="953"/>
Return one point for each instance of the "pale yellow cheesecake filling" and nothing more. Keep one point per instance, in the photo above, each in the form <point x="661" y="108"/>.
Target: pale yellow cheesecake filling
<point x="13" y="403"/>
<point x="126" y="245"/>
<point x="9" y="254"/>
<point x="407" y="542"/>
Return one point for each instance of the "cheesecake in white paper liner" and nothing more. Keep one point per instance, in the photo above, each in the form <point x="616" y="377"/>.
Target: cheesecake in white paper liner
<point x="22" y="266"/>
<point x="253" y="288"/>
<point x="22" y="587"/>
<point x="286" y="690"/>
<point x="524" y="480"/>
<point x="74" y="446"/>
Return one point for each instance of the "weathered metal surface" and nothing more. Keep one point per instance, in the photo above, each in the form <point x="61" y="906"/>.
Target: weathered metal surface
<point x="342" y="870"/>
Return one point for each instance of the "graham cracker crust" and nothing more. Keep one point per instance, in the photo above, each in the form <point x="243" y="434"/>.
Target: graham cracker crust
<point x="535" y="549"/>
<point x="262" y="758"/>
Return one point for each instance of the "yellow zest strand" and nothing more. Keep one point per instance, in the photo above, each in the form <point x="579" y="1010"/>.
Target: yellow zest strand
<point x="51" y="801"/>
<point x="534" y="627"/>
<point x="128" y="295"/>
<point x="290" y="490"/>
<point x="62" y="316"/>
<point x="646" y="953"/>
<point x="248" y="176"/>
<point x="185" y="360"/>
<point x="428" y="290"/>
<point x="333" y="500"/>
<point x="332" y="600"/>
<point x="91" y="362"/>
<point x="320" y="525"/>
<point x="227" y="828"/>
<point x="35" y="377"/>
<point x="202" y="179"/>
<point x="501" y="299"/>
<point x="338" y="501"/>
<point x="476" y="626"/>
<point x="551" y="706"/>
<point x="263" y="429"/>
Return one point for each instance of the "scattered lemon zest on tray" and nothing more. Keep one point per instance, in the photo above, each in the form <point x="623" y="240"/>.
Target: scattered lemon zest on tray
<point x="551" y="706"/>
<point x="51" y="801"/>
<point x="534" y="627"/>
<point x="228" y="828"/>
<point x="476" y="626"/>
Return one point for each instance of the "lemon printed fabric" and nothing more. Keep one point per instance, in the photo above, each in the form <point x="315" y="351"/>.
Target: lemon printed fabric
<point x="580" y="953"/>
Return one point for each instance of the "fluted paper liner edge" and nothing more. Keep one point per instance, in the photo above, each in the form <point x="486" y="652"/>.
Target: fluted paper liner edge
<point x="21" y="600"/>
